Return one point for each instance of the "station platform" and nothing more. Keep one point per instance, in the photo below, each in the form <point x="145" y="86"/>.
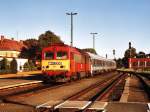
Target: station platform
<point x="20" y="74"/>
<point x="19" y="79"/>
<point x="10" y="83"/>
<point x="88" y="106"/>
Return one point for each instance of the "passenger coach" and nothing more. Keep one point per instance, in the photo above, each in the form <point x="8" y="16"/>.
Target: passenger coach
<point x="139" y="63"/>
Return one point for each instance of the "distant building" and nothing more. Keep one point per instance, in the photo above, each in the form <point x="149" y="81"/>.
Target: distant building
<point x="10" y="48"/>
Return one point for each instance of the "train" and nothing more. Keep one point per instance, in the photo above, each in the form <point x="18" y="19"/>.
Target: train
<point x="139" y="63"/>
<point x="61" y="61"/>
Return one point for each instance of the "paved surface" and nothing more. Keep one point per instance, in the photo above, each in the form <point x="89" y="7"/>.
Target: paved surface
<point x="8" y="107"/>
<point x="134" y="91"/>
<point x="8" y="83"/>
<point x="20" y="74"/>
<point x="126" y="107"/>
<point x="21" y="78"/>
<point x="57" y="94"/>
<point x="76" y="105"/>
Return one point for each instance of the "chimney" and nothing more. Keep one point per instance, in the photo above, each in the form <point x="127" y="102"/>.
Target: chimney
<point x="12" y="38"/>
<point x="2" y="37"/>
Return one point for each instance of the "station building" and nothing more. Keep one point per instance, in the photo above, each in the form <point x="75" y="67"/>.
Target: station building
<point x="9" y="49"/>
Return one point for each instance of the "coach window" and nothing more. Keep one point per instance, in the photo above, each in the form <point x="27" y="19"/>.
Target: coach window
<point x="49" y="55"/>
<point x="61" y="55"/>
<point x="135" y="64"/>
<point x="142" y="63"/>
<point x="148" y="63"/>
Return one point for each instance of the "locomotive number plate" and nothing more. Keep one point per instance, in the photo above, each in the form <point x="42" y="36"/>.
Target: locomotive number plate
<point x="54" y="63"/>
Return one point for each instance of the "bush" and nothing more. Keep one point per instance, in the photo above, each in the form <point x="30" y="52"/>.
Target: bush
<point x="29" y="66"/>
<point x="26" y="66"/>
<point x="4" y="64"/>
<point x="13" y="66"/>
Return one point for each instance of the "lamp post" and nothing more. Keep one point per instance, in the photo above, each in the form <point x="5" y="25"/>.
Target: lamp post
<point x="71" y="14"/>
<point x="93" y="39"/>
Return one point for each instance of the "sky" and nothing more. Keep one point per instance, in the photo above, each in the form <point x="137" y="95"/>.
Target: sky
<point x="117" y="22"/>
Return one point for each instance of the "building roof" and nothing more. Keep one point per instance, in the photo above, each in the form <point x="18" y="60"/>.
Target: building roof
<point x="10" y="44"/>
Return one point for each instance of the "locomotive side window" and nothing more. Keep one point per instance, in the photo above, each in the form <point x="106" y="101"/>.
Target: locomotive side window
<point x="49" y="55"/>
<point x="142" y="63"/>
<point x="61" y="55"/>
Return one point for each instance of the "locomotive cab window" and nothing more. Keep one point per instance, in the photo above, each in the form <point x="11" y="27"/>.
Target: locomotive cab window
<point x="61" y="55"/>
<point x="49" y="55"/>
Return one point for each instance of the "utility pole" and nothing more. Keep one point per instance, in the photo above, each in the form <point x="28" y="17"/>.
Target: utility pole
<point x="130" y="55"/>
<point x="71" y="14"/>
<point x="17" y="35"/>
<point x="114" y="52"/>
<point x="93" y="39"/>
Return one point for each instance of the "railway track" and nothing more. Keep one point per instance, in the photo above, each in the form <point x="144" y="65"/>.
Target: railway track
<point x="29" y="88"/>
<point x="17" y="88"/>
<point x="89" y="95"/>
<point x="145" y="80"/>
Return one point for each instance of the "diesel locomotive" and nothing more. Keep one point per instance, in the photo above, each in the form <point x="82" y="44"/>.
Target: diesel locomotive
<point x="61" y="61"/>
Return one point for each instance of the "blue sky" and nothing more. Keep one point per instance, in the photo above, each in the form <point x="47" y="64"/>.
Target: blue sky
<point x="116" y="21"/>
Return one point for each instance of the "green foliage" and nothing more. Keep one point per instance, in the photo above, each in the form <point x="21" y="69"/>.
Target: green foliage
<point x="31" y="42"/>
<point x="141" y="54"/>
<point x="48" y="38"/>
<point x="130" y="53"/>
<point x="26" y="66"/>
<point x="13" y="66"/>
<point x="119" y="63"/>
<point x="34" y="46"/>
<point x="4" y="64"/>
<point x="29" y="66"/>
<point x="91" y="50"/>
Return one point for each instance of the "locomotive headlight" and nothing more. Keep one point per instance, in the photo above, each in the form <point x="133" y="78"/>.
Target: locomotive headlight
<point x="61" y="66"/>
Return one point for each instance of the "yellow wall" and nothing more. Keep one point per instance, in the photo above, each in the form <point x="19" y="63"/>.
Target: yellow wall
<point x="14" y="54"/>
<point x="56" y="65"/>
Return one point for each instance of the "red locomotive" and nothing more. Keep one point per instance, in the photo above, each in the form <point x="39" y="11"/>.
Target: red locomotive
<point x="60" y="61"/>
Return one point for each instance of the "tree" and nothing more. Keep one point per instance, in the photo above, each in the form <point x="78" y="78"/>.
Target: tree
<point x="129" y="53"/>
<point x="13" y="66"/>
<point x="119" y="63"/>
<point x="48" y="38"/>
<point x="141" y="54"/>
<point x="91" y="50"/>
<point x="4" y="64"/>
<point x="30" y="49"/>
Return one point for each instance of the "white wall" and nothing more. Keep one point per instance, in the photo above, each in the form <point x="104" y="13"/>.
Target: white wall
<point x="20" y="63"/>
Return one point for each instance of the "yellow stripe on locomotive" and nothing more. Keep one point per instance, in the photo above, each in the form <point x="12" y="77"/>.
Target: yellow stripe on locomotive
<point x="54" y="65"/>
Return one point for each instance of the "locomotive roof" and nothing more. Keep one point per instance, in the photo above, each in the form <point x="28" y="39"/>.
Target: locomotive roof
<point x="94" y="56"/>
